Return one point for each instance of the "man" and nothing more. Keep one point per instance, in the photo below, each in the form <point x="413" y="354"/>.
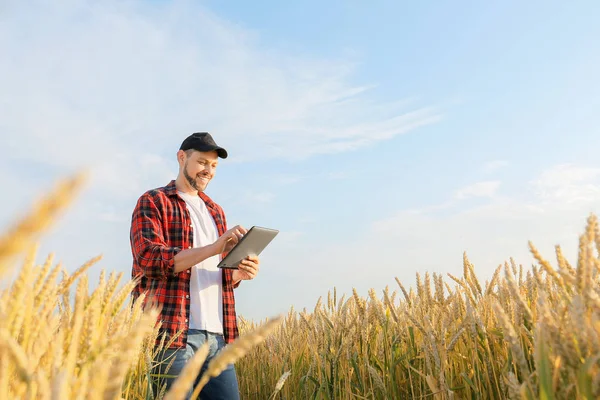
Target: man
<point x="178" y="236"/>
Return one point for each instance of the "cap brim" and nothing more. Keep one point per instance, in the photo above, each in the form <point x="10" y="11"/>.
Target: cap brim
<point x="221" y="152"/>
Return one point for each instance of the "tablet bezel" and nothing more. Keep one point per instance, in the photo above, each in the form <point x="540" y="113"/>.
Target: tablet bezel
<point x="224" y="263"/>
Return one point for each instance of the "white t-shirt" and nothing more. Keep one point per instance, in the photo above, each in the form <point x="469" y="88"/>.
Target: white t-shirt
<point x="206" y="296"/>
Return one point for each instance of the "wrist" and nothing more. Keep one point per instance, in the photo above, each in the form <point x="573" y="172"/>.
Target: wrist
<point x="214" y="249"/>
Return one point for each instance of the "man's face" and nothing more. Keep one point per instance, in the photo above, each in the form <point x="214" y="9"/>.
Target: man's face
<point x="199" y="168"/>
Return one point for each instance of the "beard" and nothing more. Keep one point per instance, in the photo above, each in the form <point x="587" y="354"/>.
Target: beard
<point x="192" y="181"/>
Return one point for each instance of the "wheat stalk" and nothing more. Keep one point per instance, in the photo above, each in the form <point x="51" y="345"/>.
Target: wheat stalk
<point x="234" y="351"/>
<point x="512" y="337"/>
<point x="15" y="351"/>
<point x="22" y="234"/>
<point x="79" y="272"/>
<point x="188" y="375"/>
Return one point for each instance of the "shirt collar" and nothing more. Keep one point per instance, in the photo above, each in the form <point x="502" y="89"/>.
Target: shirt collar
<point x="171" y="190"/>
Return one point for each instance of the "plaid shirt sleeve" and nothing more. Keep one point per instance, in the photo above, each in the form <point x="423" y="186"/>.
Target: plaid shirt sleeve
<point x="150" y="250"/>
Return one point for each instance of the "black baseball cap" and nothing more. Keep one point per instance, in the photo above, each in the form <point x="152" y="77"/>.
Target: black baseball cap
<point x="202" y="141"/>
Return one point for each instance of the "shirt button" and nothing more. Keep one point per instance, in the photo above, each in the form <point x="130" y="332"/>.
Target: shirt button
<point x="189" y="247"/>
<point x="189" y="272"/>
<point x="187" y="296"/>
<point x="186" y="320"/>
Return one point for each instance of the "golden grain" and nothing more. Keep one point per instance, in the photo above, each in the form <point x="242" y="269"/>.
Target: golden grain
<point x="236" y="350"/>
<point x="79" y="272"/>
<point x="280" y="383"/>
<point x="24" y="233"/>
<point x="184" y="382"/>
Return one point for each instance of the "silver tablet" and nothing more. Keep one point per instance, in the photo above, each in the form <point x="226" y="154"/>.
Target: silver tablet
<point x="252" y="243"/>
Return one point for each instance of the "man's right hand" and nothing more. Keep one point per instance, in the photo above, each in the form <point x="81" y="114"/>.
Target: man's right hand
<point x="187" y="258"/>
<point x="229" y="239"/>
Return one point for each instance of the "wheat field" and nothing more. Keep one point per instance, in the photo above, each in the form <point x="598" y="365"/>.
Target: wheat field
<point x="528" y="333"/>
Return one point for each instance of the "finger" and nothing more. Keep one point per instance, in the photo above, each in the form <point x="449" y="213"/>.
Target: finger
<point x="238" y="233"/>
<point x="246" y="267"/>
<point x="250" y="269"/>
<point x="248" y="274"/>
<point x="240" y="229"/>
<point x="249" y="263"/>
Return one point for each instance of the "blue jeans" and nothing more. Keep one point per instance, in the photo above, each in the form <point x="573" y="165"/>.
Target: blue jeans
<point x="224" y="386"/>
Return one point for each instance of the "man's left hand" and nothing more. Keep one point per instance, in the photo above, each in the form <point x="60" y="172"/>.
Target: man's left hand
<point x="247" y="269"/>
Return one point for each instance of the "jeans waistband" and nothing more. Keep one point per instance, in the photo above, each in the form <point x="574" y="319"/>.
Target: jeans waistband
<point x="203" y="332"/>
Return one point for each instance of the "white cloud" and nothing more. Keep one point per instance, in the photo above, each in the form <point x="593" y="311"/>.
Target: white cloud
<point x="287" y="179"/>
<point x="134" y="78"/>
<point x="495" y="165"/>
<point x="479" y="189"/>
<point x="568" y="183"/>
<point x="433" y="238"/>
<point x="115" y="86"/>
<point x="567" y="174"/>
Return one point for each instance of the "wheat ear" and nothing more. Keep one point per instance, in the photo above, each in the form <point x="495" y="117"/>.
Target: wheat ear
<point x="188" y="375"/>
<point x="404" y="292"/>
<point x="236" y="350"/>
<point x="130" y="349"/>
<point x="280" y="383"/>
<point x="11" y="347"/>
<point x="23" y="233"/>
<point x="65" y="284"/>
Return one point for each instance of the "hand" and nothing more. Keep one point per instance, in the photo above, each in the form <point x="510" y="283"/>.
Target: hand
<point x="247" y="269"/>
<point x="229" y="239"/>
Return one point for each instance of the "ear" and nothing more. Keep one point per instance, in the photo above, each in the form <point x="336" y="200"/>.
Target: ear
<point x="181" y="156"/>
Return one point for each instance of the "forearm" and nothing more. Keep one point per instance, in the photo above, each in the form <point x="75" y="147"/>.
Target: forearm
<point x="186" y="259"/>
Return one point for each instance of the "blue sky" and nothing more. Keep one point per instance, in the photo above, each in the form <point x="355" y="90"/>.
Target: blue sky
<point x="382" y="139"/>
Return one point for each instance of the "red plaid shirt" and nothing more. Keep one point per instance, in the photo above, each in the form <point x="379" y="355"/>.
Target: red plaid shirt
<point x="160" y="228"/>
